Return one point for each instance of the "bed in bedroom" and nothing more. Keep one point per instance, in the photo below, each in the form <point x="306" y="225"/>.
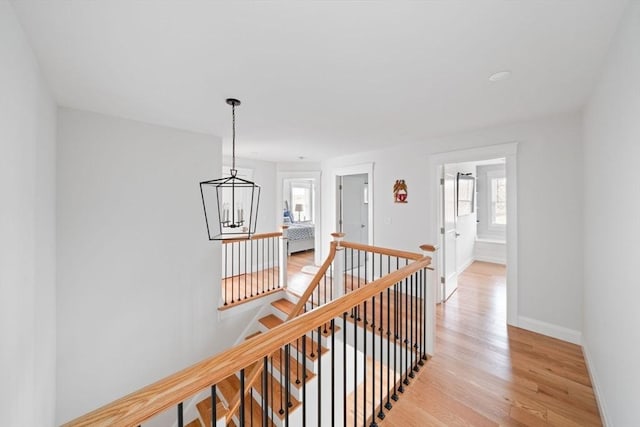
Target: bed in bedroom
<point x="301" y="236"/>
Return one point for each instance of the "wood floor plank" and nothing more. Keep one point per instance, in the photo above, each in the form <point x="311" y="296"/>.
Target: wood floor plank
<point x="484" y="372"/>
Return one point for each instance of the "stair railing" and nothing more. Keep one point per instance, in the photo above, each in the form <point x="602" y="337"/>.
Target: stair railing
<point x="300" y="307"/>
<point x="390" y="309"/>
<point x="253" y="267"/>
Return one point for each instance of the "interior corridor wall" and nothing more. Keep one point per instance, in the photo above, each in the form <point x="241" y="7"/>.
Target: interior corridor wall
<point x="612" y="228"/>
<point x="27" y="233"/>
<point x="550" y="268"/>
<point x="138" y="279"/>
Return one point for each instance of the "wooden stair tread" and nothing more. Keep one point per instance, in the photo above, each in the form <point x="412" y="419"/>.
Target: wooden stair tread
<point x="279" y="357"/>
<point x="252" y="335"/>
<point x="271" y="321"/>
<point x="278" y="396"/>
<point x="195" y="423"/>
<point x="284" y="305"/>
<point x="204" y="409"/>
<point x="229" y="387"/>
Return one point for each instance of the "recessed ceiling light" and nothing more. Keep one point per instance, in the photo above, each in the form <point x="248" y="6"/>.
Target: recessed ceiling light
<point x="301" y="157"/>
<point x="500" y="75"/>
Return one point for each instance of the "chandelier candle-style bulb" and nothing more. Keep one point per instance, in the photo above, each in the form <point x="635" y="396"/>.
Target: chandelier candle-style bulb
<point x="224" y="199"/>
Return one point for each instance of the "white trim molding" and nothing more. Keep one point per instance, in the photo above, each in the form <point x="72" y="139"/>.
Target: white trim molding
<point x="593" y="375"/>
<point x="554" y="331"/>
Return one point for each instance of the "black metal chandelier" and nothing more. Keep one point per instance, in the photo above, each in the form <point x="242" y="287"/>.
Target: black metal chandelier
<point x="230" y="203"/>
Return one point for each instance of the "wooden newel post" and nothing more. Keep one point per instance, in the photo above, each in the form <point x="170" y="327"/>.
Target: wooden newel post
<point x="338" y="266"/>
<point x="431" y="283"/>
<point x="284" y="256"/>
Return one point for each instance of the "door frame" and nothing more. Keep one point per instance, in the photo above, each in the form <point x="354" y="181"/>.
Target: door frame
<point x="509" y="151"/>
<point x="317" y="209"/>
<point x="365" y="168"/>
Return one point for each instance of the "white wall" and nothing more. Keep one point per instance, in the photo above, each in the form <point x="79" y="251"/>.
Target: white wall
<point x="550" y="225"/>
<point x="27" y="233"/>
<point x="138" y="280"/>
<point x="612" y="228"/>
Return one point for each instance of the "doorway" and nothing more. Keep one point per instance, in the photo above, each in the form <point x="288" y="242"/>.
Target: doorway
<point x="473" y="227"/>
<point x="463" y="182"/>
<point x="353" y="215"/>
<point x="298" y="202"/>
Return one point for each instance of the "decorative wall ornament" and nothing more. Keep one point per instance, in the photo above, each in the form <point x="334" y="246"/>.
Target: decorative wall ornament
<point x="400" y="191"/>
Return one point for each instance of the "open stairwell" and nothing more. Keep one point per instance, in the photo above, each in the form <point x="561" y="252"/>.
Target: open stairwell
<point x="341" y="352"/>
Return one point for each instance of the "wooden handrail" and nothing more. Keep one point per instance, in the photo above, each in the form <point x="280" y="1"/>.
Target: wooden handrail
<point x="314" y="282"/>
<point x="384" y="251"/>
<point x="151" y="400"/>
<point x="254" y="375"/>
<point x="254" y="237"/>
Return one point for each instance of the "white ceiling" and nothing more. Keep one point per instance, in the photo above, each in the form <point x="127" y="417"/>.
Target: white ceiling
<point x="321" y="79"/>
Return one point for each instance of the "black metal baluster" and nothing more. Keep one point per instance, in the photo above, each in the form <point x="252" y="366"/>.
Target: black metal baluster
<point x="233" y="275"/>
<point x="262" y="266"/>
<point x="298" y="361"/>
<point x="274" y="279"/>
<point x="246" y="294"/>
<point x="364" y="365"/>
<point x="271" y="378"/>
<point x="405" y="340"/>
<point x="180" y="415"/>
<point x="242" y="420"/>
<point x="281" y="410"/>
<point x="373" y="365"/>
<point x="226" y="275"/>
<point x="287" y="380"/>
<point x="355" y="371"/>
<point x="333" y="371"/>
<point x="381" y="330"/>
<point x="411" y="327"/>
<point x="214" y="406"/>
<point x="344" y="369"/>
<point x="425" y="314"/>
<point x="388" y="404"/>
<point x="400" y="386"/>
<point x="239" y="274"/>
<point x="353" y="310"/>
<point x="394" y="396"/>
<point x="418" y="330"/>
<point x="265" y="391"/>
<point x="251" y="267"/>
<point x="269" y="266"/>
<point x="304" y="380"/>
<point x="319" y="362"/>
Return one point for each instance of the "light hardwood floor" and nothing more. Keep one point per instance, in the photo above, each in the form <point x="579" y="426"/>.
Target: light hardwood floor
<point x="484" y="373"/>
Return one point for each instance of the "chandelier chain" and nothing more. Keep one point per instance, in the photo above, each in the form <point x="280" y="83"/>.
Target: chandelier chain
<point x="233" y="136"/>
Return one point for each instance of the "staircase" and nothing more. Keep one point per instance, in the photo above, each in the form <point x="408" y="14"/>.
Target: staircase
<point x="301" y="373"/>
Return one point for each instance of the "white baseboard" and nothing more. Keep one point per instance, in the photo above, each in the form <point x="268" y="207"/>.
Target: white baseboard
<point x="464" y="266"/>
<point x="494" y="260"/>
<point x="550" y="330"/>
<point x="591" y="369"/>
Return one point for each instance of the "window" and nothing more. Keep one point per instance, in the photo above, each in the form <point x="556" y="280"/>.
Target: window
<point x="302" y="200"/>
<point x="498" y="205"/>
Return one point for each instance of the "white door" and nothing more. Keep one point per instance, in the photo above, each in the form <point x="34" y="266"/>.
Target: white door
<point x="450" y="272"/>
<point x="353" y="213"/>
